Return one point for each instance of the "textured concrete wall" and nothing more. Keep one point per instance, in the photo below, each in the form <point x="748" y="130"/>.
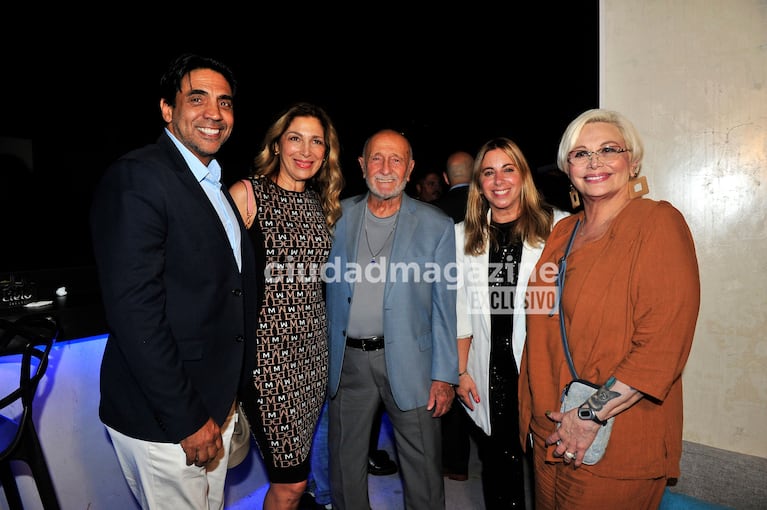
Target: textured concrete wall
<point x="692" y="76"/>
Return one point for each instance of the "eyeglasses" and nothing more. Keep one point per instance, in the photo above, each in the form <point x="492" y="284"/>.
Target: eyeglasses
<point x="607" y="154"/>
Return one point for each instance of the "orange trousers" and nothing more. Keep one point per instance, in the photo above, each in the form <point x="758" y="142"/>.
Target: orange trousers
<point x="559" y="486"/>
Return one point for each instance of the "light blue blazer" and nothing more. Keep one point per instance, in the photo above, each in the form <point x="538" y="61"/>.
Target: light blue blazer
<point x="418" y="315"/>
<point x="473" y="314"/>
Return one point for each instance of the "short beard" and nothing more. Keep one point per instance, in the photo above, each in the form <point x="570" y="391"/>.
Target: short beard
<point x="385" y="196"/>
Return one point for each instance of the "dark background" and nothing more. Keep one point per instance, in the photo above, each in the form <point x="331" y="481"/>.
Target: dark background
<point x="450" y="80"/>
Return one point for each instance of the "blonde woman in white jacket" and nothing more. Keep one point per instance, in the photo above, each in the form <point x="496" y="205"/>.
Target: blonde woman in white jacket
<point x="497" y="247"/>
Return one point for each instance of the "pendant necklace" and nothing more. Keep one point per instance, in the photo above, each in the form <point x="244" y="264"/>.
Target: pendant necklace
<point x="367" y="241"/>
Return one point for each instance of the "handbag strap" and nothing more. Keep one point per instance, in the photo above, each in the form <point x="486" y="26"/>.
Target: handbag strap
<point x="560" y="288"/>
<point x="251" y="205"/>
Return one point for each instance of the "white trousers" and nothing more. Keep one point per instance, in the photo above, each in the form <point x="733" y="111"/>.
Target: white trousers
<point x="159" y="478"/>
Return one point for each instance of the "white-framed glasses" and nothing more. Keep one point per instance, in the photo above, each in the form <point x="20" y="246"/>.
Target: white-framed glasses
<point x="607" y="154"/>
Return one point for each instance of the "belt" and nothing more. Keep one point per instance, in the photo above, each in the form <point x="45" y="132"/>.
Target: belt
<point x="370" y="343"/>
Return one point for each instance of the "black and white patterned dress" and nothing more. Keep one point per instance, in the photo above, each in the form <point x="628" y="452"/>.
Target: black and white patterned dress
<point x="290" y="370"/>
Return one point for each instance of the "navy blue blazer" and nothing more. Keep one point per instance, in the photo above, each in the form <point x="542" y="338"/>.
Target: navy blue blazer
<point x="178" y="309"/>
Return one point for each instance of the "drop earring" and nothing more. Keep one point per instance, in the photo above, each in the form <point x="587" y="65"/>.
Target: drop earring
<point x="575" y="198"/>
<point x="637" y="186"/>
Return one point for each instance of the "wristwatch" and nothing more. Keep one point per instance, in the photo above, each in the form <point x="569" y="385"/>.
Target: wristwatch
<point x="587" y="413"/>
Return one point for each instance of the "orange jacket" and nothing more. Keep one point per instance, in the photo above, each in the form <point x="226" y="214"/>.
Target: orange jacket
<point x="631" y="303"/>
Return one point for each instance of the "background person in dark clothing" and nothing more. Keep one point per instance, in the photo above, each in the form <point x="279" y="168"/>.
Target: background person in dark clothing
<point x="456" y="443"/>
<point x="457" y="175"/>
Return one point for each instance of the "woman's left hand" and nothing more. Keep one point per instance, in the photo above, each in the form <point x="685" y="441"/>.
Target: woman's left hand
<point x="467" y="391"/>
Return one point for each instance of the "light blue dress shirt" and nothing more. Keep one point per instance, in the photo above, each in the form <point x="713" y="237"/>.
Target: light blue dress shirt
<point x="209" y="178"/>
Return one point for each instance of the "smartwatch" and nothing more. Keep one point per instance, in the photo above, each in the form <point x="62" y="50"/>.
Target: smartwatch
<point x="587" y="413"/>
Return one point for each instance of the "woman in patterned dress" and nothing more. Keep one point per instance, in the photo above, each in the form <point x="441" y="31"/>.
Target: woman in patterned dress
<point x="295" y="186"/>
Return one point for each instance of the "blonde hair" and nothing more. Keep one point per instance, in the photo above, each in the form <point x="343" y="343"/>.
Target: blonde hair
<point x="630" y="135"/>
<point x="535" y="219"/>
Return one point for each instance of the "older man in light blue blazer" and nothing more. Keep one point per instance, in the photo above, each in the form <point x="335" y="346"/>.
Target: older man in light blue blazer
<point x="392" y="327"/>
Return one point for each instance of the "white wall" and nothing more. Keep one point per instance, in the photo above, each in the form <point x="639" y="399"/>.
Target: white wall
<point x="692" y="76"/>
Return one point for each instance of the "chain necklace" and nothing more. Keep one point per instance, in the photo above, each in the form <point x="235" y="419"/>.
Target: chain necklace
<point x="367" y="241"/>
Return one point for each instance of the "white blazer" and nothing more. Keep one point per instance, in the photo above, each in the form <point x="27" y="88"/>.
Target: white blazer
<point x="473" y="313"/>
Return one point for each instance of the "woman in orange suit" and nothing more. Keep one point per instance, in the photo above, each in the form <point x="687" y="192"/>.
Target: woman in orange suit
<point x="630" y="304"/>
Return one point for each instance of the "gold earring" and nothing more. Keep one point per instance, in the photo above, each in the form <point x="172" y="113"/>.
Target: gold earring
<point x="638" y="186"/>
<point x="575" y="198"/>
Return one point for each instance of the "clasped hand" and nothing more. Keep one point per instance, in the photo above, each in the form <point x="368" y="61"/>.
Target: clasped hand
<point x="573" y="437"/>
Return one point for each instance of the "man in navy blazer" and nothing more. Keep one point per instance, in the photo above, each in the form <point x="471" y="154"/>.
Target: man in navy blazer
<point x="391" y="320"/>
<point x="179" y="290"/>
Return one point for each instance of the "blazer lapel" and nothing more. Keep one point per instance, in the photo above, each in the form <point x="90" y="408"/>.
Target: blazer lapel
<point x="407" y="224"/>
<point x="188" y="180"/>
<point x="356" y="216"/>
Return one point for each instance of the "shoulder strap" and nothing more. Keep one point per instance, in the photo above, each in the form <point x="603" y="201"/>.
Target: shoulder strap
<point x="250" y="209"/>
<point x="560" y="289"/>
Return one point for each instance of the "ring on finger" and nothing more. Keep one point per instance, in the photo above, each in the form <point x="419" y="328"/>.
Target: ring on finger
<point x="569" y="455"/>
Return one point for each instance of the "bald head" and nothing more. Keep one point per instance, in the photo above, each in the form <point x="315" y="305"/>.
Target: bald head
<point x="459" y="167"/>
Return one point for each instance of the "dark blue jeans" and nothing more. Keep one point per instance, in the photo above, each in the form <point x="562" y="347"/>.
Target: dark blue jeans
<point x="319" y="476"/>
